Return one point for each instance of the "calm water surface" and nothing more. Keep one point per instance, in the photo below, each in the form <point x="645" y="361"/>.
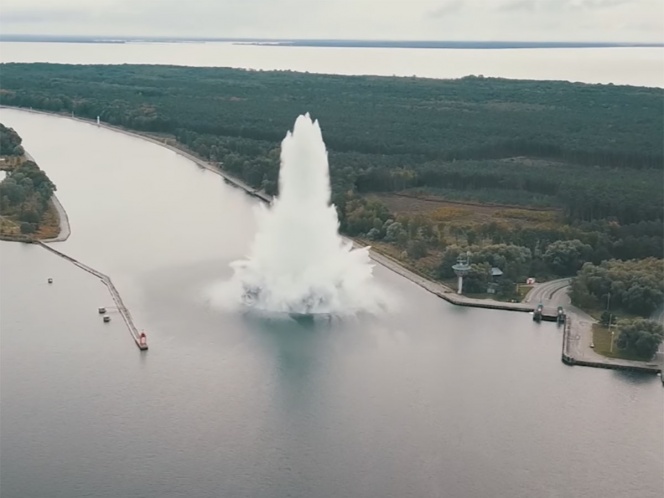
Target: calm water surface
<point x="429" y="401"/>
<point x="628" y="65"/>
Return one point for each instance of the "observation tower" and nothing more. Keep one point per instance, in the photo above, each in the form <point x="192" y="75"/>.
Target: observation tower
<point x="461" y="269"/>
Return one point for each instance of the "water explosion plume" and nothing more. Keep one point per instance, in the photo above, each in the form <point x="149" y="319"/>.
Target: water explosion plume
<point x="298" y="262"/>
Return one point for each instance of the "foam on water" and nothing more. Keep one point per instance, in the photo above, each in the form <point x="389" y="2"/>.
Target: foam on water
<point x="298" y="262"/>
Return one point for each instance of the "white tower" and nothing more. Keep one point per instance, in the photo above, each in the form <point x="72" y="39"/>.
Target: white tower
<point x="461" y="269"/>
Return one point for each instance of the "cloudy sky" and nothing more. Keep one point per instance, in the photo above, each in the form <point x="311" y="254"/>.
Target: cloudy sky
<point x="542" y="20"/>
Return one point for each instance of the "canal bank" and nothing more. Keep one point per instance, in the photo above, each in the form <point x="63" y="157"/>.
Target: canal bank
<point x="576" y="350"/>
<point x="63" y="219"/>
<point x="361" y="398"/>
<point x="439" y="289"/>
<point x="63" y="235"/>
<point x="582" y="354"/>
<point x="582" y="324"/>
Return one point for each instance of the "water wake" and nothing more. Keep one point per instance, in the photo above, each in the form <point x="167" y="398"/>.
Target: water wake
<point x="298" y="263"/>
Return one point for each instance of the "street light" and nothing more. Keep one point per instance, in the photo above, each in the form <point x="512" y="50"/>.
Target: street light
<point x="612" y="332"/>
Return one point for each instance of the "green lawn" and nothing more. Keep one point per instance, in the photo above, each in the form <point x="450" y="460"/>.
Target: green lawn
<point x="523" y="290"/>
<point x="602" y="341"/>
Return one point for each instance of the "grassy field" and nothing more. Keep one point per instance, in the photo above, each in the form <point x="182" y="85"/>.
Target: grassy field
<point x="452" y="220"/>
<point x="9" y="227"/>
<point x="424" y="266"/>
<point x="49" y="226"/>
<point x="523" y="290"/>
<point x="602" y="341"/>
<point x="461" y="213"/>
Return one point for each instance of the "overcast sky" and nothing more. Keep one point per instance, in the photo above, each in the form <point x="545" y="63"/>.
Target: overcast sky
<point x="541" y="20"/>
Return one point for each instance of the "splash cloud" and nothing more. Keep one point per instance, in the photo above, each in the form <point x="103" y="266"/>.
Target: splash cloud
<point x="298" y="262"/>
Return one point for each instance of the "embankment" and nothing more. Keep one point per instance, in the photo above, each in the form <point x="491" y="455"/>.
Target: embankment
<point x="63" y="222"/>
<point x="576" y="352"/>
<point x="63" y="219"/>
<point x="434" y="287"/>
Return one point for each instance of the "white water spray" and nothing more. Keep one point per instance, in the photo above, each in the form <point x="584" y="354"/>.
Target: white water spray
<point x="298" y="262"/>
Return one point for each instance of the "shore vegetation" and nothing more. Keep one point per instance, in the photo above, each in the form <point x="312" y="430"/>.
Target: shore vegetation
<point x="25" y="199"/>
<point x="536" y="178"/>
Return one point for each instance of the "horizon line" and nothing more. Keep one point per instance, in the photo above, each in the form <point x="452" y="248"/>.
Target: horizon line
<point x="359" y="41"/>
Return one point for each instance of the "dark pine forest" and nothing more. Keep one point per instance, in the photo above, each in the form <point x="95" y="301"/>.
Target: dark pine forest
<point x="577" y="163"/>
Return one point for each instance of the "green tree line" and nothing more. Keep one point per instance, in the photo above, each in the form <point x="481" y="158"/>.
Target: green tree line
<point x="633" y="286"/>
<point x="24" y="193"/>
<point x="593" y="152"/>
<point x="602" y="143"/>
<point x="10" y="142"/>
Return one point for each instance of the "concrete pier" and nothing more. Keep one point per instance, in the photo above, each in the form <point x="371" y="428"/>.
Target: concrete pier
<point x="573" y="353"/>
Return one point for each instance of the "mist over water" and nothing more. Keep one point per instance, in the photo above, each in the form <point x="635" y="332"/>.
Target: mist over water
<point x="298" y="262"/>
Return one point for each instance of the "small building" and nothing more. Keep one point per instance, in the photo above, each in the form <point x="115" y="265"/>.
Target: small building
<point x="495" y="274"/>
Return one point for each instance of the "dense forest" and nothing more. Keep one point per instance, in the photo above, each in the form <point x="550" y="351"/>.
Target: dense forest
<point x="10" y="142"/>
<point x="640" y="337"/>
<point x="591" y="157"/>
<point x="634" y="286"/>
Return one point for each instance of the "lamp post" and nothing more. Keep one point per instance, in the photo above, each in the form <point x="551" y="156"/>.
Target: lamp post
<point x="612" y="332"/>
<point x="608" y="307"/>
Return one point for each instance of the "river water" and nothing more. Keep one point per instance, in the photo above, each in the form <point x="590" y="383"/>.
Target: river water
<point x="429" y="400"/>
<point x="638" y="66"/>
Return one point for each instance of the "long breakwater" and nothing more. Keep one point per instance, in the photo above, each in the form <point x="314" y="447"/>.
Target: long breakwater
<point x="106" y="280"/>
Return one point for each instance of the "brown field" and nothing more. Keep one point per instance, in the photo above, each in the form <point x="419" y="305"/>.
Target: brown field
<point x="49" y="227"/>
<point x="461" y="212"/>
<point x="8" y="163"/>
<point x="8" y="227"/>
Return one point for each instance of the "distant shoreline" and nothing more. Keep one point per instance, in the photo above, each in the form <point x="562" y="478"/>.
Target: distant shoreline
<point x="332" y="43"/>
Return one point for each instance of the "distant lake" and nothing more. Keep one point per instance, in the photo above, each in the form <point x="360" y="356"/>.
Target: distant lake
<point x="621" y="65"/>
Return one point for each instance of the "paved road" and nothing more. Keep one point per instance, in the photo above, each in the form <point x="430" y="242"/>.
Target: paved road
<point x="552" y="293"/>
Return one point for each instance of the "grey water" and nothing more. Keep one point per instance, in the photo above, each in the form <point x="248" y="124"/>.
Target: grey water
<point x="430" y="401"/>
<point x="640" y="66"/>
